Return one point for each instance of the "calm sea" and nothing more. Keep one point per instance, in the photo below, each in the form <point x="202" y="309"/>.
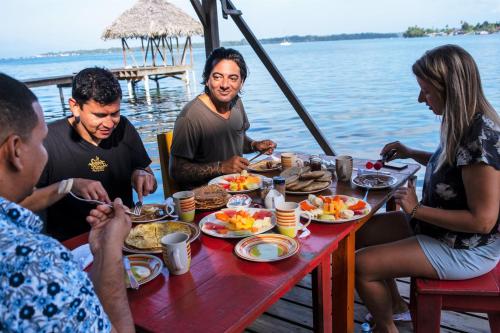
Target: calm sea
<point x="361" y="93"/>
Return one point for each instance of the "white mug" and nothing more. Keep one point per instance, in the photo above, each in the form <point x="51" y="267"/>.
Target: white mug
<point x="176" y="252"/>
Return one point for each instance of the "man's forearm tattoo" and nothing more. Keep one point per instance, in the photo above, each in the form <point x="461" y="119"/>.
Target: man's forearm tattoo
<point x="183" y="171"/>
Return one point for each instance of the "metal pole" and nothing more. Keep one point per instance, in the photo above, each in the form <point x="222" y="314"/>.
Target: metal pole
<point x="211" y="26"/>
<point x="280" y="80"/>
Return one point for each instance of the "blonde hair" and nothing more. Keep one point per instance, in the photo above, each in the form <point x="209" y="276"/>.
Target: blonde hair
<point x="454" y="74"/>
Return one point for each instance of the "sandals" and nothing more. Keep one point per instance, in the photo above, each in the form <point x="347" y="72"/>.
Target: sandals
<point x="403" y="316"/>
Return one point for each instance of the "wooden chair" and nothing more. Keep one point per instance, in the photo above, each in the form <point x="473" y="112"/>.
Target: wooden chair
<point x="428" y="297"/>
<point x="164" y="147"/>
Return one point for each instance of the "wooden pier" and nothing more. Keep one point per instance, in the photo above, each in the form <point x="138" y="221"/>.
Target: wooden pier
<point x="132" y="75"/>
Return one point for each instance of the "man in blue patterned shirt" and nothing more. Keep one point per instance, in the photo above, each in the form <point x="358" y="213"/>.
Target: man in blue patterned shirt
<point x="42" y="289"/>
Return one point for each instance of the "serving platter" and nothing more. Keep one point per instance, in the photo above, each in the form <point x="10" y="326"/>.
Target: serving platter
<point x="266" y="248"/>
<point x="326" y="187"/>
<point x="374" y="181"/>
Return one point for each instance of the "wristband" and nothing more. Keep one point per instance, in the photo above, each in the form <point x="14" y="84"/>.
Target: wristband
<point x="65" y="186"/>
<point x="219" y="168"/>
<point x="414" y="210"/>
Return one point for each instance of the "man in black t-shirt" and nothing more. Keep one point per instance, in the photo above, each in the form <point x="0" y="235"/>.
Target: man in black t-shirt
<point x="95" y="153"/>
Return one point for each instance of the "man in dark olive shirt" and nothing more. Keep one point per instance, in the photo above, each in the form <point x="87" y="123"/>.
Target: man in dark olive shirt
<point x="95" y="153"/>
<point x="210" y="132"/>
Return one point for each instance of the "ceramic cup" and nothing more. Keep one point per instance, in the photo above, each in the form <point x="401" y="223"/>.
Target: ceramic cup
<point x="185" y="205"/>
<point x="176" y="252"/>
<point x="288" y="160"/>
<point x="288" y="218"/>
<point x="343" y="168"/>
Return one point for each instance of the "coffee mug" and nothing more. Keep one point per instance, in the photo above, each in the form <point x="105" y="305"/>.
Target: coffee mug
<point x="288" y="218"/>
<point x="176" y="252"/>
<point x="343" y="168"/>
<point x="185" y="205"/>
<point x="289" y="160"/>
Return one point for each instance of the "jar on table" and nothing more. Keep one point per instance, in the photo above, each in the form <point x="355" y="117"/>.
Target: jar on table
<point x="267" y="185"/>
<point x="279" y="184"/>
<point x="315" y="163"/>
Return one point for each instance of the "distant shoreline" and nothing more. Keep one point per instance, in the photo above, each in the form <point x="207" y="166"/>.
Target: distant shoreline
<point x="274" y="40"/>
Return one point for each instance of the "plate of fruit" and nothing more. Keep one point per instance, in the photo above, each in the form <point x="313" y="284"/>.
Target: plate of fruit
<point x="239" y="182"/>
<point x="238" y="223"/>
<point x="334" y="208"/>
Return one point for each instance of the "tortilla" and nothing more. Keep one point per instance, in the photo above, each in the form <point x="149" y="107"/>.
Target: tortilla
<point x="292" y="179"/>
<point x="210" y="197"/>
<point x="300" y="185"/>
<point x="325" y="178"/>
<point x="315" y="186"/>
<point x="312" y="174"/>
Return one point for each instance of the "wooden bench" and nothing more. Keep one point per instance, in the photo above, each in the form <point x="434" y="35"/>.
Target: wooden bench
<point x="428" y="297"/>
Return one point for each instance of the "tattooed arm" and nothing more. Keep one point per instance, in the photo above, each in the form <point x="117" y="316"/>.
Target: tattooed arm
<point x="183" y="171"/>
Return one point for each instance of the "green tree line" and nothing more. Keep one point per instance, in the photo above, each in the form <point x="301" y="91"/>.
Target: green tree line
<point x="416" y="31"/>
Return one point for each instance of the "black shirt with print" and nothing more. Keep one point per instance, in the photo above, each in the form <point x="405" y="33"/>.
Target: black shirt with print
<point x="111" y="163"/>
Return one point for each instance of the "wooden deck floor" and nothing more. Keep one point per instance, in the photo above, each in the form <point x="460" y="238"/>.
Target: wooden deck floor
<point x="293" y="313"/>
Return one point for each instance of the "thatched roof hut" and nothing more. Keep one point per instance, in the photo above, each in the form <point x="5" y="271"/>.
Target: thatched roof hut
<point x="157" y="22"/>
<point x="153" y="19"/>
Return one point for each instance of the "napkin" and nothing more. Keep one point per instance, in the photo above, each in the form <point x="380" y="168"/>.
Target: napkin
<point x="83" y="256"/>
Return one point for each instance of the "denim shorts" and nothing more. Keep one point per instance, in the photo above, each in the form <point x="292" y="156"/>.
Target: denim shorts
<point x="459" y="264"/>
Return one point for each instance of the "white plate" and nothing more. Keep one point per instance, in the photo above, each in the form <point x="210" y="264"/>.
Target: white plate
<point x="220" y="180"/>
<point x="266" y="248"/>
<point x="234" y="234"/>
<point x="388" y="181"/>
<point x="367" y="210"/>
<point x="147" y="262"/>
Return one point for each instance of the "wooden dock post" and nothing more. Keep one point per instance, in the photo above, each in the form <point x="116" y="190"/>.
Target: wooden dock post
<point x="61" y="95"/>
<point x="146" y="86"/>
<point x="130" y="89"/>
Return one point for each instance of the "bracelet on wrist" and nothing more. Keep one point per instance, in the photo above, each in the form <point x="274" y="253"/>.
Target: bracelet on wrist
<point x="219" y="168"/>
<point x="414" y="210"/>
<point x="65" y="186"/>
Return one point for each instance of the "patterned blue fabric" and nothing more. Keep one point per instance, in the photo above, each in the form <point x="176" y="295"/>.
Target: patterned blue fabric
<point x="444" y="188"/>
<point x="42" y="288"/>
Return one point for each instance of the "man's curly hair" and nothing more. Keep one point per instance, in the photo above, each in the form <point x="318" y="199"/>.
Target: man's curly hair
<point x="98" y="84"/>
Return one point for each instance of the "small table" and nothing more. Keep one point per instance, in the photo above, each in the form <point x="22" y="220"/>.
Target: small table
<point x="223" y="293"/>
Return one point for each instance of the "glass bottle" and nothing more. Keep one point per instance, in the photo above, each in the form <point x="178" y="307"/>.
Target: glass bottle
<point x="267" y="185"/>
<point x="279" y="184"/>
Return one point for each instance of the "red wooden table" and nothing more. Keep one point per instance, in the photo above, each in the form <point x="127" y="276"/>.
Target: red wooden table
<point x="223" y="293"/>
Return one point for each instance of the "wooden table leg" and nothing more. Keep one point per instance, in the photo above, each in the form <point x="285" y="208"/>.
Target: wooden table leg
<point x="322" y="296"/>
<point x="343" y="285"/>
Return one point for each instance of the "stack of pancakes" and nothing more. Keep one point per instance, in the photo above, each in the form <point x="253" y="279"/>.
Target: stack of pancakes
<point x="210" y="197"/>
<point x="302" y="179"/>
<point x="147" y="236"/>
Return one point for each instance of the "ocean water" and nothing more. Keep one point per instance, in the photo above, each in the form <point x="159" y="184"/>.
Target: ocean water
<point x="362" y="94"/>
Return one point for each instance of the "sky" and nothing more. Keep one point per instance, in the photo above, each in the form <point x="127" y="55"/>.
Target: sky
<point x="31" y="27"/>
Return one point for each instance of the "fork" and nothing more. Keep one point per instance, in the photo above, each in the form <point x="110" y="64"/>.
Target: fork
<point x="366" y="194"/>
<point x="131" y="278"/>
<point x="98" y="202"/>
<point x="138" y="208"/>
